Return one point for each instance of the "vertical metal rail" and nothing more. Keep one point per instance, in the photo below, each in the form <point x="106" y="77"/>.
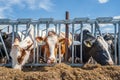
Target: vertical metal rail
<point x="66" y="35"/>
<point x="119" y="42"/>
<point x="4" y="47"/>
<point x="8" y="29"/>
<point x="97" y="28"/>
<point x="16" y="28"/>
<point x="37" y="55"/>
<point x="72" y="43"/>
<point x="47" y="26"/>
<point x="59" y="26"/>
<point x="81" y="38"/>
<point x="59" y="53"/>
<point x="92" y="28"/>
<point x="95" y="34"/>
<point x="34" y="59"/>
<point x="115" y="38"/>
<point x="56" y="28"/>
<point x="13" y="35"/>
<point x="27" y="27"/>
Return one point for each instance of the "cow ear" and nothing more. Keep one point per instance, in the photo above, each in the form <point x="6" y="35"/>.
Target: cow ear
<point x="88" y="43"/>
<point x="39" y="39"/>
<point x="62" y="40"/>
<point x="16" y="42"/>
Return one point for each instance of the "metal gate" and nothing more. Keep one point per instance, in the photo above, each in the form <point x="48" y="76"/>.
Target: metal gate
<point x="69" y="25"/>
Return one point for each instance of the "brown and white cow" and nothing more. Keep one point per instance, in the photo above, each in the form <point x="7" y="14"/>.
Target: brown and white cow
<point x="21" y="50"/>
<point x="50" y="48"/>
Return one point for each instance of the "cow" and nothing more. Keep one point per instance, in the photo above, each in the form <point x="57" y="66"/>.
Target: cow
<point x="7" y="38"/>
<point x="109" y="38"/>
<point x="21" y="50"/>
<point x="95" y="47"/>
<point x="50" y="48"/>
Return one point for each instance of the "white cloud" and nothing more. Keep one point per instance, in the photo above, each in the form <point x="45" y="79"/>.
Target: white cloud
<point x="116" y="17"/>
<point x="103" y="1"/>
<point x="30" y="4"/>
<point x="45" y="4"/>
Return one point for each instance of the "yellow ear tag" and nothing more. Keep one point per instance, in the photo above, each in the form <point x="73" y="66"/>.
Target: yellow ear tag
<point x="88" y="44"/>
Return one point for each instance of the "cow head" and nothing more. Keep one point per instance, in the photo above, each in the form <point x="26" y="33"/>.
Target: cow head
<point x="109" y="38"/>
<point x="99" y="50"/>
<point x="20" y="52"/>
<point x="50" y="47"/>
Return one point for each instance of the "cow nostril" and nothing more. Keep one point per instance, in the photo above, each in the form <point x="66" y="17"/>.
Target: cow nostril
<point x="51" y="60"/>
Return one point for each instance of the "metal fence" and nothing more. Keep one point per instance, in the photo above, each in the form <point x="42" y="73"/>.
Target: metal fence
<point x="74" y="25"/>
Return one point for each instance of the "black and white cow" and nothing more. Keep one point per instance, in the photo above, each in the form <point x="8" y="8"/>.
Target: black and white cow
<point x="109" y="38"/>
<point x="94" y="47"/>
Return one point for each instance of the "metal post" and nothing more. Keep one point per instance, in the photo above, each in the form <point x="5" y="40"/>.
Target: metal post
<point x="81" y="38"/>
<point x="66" y="35"/>
<point x="92" y="29"/>
<point x="95" y="34"/>
<point x="8" y="29"/>
<point x="37" y="44"/>
<point x="56" y="28"/>
<point x="16" y="28"/>
<point x="34" y="25"/>
<point x="119" y="42"/>
<point x="13" y="35"/>
<point x="59" y="53"/>
<point x="97" y="28"/>
<point x="59" y="29"/>
<point x="27" y="27"/>
<point x="4" y="47"/>
<point x="115" y="32"/>
<point x="47" y="26"/>
<point x="72" y="43"/>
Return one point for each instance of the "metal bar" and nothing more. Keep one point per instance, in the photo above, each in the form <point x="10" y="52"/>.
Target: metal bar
<point x="56" y="28"/>
<point x="119" y="43"/>
<point x="16" y="28"/>
<point x="59" y="25"/>
<point x="59" y="52"/>
<point x="66" y="36"/>
<point x="4" y="47"/>
<point x="92" y="28"/>
<point x="34" y="59"/>
<point x="72" y="43"/>
<point x="47" y="26"/>
<point x="13" y="35"/>
<point x="8" y="29"/>
<point x="81" y="38"/>
<point x="37" y="55"/>
<point x="97" y="28"/>
<point x="115" y="36"/>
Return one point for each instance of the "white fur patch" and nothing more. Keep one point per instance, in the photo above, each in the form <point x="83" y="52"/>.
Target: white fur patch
<point x="52" y="40"/>
<point x="105" y="45"/>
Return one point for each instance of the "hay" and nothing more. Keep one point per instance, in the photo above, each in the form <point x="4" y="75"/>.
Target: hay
<point x="62" y="72"/>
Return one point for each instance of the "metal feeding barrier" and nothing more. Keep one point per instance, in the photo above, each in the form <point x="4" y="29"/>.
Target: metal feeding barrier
<point x="95" y="30"/>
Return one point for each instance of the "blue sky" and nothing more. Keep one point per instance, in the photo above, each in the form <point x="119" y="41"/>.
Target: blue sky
<point x="36" y="9"/>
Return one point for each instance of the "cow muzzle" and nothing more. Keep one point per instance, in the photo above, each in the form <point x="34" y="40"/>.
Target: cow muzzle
<point x="51" y="60"/>
<point x="110" y="63"/>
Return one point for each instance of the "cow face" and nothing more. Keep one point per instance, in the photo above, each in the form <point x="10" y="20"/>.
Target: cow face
<point x="20" y="55"/>
<point x="50" y="47"/>
<point x="99" y="50"/>
<point x="109" y="38"/>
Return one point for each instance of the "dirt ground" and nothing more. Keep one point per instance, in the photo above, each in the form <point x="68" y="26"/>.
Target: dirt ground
<point x="62" y="72"/>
